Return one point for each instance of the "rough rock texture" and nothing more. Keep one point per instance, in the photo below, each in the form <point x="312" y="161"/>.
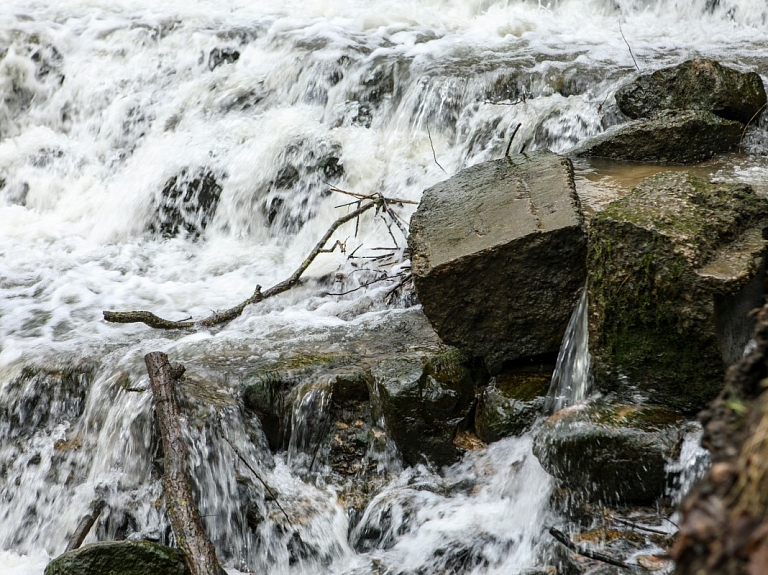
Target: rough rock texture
<point x="424" y="400"/>
<point x="675" y="267"/>
<point x="610" y="453"/>
<point x="694" y="85"/>
<point x="119" y="558"/>
<point x="498" y="256"/>
<point x="510" y="404"/>
<point x="724" y="518"/>
<point x="672" y="136"/>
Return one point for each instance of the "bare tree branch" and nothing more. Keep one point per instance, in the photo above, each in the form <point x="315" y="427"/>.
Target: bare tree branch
<point x="217" y="318"/>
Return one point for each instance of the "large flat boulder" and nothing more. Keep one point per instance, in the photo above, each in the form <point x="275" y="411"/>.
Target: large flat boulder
<point x="498" y="256"/>
<point x="697" y="84"/>
<point x="674" y="269"/>
<point x="671" y="136"/>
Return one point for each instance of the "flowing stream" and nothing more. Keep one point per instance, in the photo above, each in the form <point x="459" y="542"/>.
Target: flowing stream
<point x="259" y="106"/>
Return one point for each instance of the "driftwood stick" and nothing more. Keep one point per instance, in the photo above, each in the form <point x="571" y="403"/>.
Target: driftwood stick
<point x="434" y="155"/>
<point x="199" y="553"/>
<point x="85" y="525"/>
<point x="217" y="318"/>
<point x="561" y="537"/>
<point x="512" y="137"/>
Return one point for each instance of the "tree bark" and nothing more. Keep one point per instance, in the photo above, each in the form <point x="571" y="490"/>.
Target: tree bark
<point x="198" y="551"/>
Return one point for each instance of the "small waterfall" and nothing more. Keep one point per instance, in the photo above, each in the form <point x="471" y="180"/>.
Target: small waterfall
<point x="571" y="380"/>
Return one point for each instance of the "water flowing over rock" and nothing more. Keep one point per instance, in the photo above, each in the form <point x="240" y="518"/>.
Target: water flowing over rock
<point x="498" y="256"/>
<point x="671" y="136"/>
<point x="698" y="84"/>
<point x="510" y="404"/>
<point x="187" y="203"/>
<point x="610" y="453"/>
<point x="674" y="269"/>
<point x="119" y="558"/>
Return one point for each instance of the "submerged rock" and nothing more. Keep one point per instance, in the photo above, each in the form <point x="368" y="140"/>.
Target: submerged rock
<point x="510" y="404"/>
<point x="697" y="84"/>
<point x="671" y="136"/>
<point x="610" y="453"/>
<point x="674" y="268"/>
<point x="187" y="203"/>
<point x="119" y="558"/>
<point x="498" y="255"/>
<point x="424" y="400"/>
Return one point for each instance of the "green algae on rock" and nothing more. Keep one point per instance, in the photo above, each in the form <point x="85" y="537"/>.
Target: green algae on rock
<point x="674" y="268"/>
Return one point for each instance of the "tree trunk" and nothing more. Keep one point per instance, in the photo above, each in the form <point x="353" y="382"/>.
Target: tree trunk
<point x="198" y="551"/>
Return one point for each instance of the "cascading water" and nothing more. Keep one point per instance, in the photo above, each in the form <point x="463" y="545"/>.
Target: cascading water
<point x="571" y="378"/>
<point x="171" y="157"/>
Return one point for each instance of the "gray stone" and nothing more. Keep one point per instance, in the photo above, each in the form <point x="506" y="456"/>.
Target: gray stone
<point x="694" y="85"/>
<point x="672" y="136"/>
<point x="119" y="558"/>
<point x="610" y="453"/>
<point x="498" y="256"/>
<point x="674" y="268"/>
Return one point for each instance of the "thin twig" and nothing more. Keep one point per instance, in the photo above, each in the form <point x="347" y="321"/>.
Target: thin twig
<point x="628" y="46"/>
<point x="434" y="155"/>
<point x="264" y="483"/>
<point x="365" y="285"/>
<point x="634" y="525"/>
<point x="512" y="137"/>
<point x="755" y="115"/>
<point x="560" y="536"/>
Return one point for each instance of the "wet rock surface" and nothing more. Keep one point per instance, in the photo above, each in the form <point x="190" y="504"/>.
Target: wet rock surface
<point x="119" y="558"/>
<point x="475" y="236"/>
<point x="610" y="452"/>
<point x="671" y="136"/>
<point x="698" y="84"/>
<point x="675" y="267"/>
<point x="510" y="405"/>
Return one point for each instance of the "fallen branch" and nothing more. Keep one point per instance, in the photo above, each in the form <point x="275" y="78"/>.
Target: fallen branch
<point x="634" y="525"/>
<point x="561" y="537"/>
<point x="628" y="46"/>
<point x="85" y="525"/>
<point x="217" y="318"/>
<point x="199" y="553"/>
<point x="512" y="137"/>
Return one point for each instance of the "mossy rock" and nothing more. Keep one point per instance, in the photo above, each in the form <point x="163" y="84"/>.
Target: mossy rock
<point x="674" y="268"/>
<point x="610" y="453"/>
<point x="510" y="404"/>
<point x="119" y="558"/>
<point x="423" y="400"/>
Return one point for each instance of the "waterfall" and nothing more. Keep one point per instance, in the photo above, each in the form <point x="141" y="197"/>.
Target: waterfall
<point x="571" y="379"/>
<point x="172" y="156"/>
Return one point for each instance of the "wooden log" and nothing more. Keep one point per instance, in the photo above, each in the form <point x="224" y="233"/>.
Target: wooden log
<point x="85" y="525"/>
<point x="199" y="553"/>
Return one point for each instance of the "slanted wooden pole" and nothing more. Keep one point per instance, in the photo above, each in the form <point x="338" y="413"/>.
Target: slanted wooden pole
<point x="85" y="525"/>
<point x="198" y="551"/>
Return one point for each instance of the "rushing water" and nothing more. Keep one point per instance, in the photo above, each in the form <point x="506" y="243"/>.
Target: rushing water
<point x="103" y="103"/>
<point x="571" y="378"/>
